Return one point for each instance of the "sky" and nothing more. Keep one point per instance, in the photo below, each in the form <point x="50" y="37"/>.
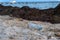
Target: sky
<point x="28" y="0"/>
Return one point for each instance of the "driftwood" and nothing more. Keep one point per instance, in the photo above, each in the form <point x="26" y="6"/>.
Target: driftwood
<point x="51" y="15"/>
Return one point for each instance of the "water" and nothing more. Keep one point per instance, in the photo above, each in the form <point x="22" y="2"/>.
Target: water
<point x="42" y="5"/>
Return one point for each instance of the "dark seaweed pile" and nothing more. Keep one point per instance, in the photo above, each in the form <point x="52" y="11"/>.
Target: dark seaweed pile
<point x="51" y="15"/>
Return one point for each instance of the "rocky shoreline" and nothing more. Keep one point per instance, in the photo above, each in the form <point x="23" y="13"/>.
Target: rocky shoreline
<point x="51" y="15"/>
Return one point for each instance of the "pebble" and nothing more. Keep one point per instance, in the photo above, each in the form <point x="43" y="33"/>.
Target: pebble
<point x="57" y="34"/>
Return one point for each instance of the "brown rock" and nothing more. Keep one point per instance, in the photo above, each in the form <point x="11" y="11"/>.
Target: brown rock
<point x="51" y="15"/>
<point x="57" y="34"/>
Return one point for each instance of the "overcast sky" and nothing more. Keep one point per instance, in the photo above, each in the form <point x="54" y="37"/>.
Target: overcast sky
<point x="27" y="0"/>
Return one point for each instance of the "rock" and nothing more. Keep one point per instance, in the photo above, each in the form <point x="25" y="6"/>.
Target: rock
<point x="53" y="38"/>
<point x="57" y="34"/>
<point x="47" y="15"/>
<point x="34" y="26"/>
<point x="15" y="30"/>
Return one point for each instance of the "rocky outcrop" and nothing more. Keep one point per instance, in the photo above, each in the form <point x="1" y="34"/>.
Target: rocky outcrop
<point x="51" y="15"/>
<point x="57" y="14"/>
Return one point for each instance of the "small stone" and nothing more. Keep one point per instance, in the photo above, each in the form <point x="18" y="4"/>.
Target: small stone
<point x="53" y="38"/>
<point x="57" y="34"/>
<point x="11" y="37"/>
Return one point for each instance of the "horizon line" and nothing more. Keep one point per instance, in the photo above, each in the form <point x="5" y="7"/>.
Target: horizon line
<point x="43" y="1"/>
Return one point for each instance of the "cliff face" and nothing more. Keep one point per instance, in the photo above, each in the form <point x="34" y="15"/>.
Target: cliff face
<point x="46" y="15"/>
